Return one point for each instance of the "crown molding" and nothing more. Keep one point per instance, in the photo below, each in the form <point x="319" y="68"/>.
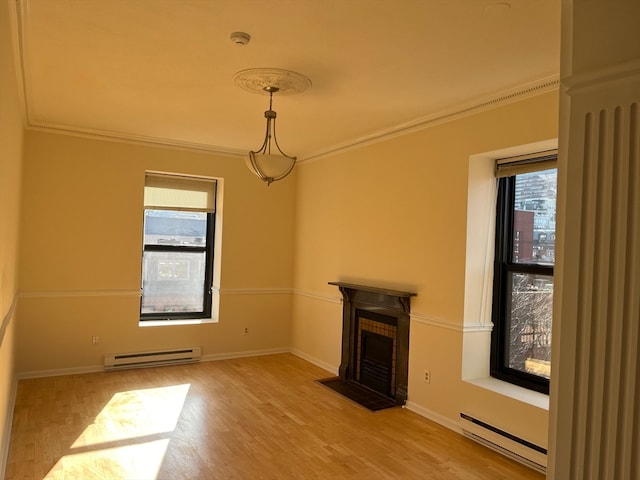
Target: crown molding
<point x="142" y="140"/>
<point x="455" y="112"/>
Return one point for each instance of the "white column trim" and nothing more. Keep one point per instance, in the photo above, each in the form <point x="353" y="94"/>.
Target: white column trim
<point x="607" y="77"/>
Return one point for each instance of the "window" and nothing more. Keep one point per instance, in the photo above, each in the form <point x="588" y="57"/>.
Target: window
<point x="177" y="258"/>
<point x="523" y="271"/>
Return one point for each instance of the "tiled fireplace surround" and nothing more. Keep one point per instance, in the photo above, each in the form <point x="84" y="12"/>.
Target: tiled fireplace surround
<point x="383" y="312"/>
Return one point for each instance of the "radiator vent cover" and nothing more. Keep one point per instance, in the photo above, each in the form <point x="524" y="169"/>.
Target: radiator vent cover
<point x="505" y="443"/>
<point x="118" y="361"/>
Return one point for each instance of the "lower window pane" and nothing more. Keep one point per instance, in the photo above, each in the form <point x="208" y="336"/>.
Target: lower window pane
<point x="173" y="282"/>
<point x="529" y="323"/>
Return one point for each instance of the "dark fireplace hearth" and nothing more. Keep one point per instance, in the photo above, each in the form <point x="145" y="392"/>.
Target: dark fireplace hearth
<point x="375" y="339"/>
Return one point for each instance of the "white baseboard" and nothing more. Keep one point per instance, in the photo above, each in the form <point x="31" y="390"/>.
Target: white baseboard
<point x="318" y="363"/>
<point x="434" y="417"/>
<point x="212" y="357"/>
<point x="59" y="372"/>
<point x="100" y="368"/>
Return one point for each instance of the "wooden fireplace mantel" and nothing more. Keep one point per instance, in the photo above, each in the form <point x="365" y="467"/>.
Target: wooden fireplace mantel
<point x="366" y="288"/>
<point x="383" y="297"/>
<point x="391" y="303"/>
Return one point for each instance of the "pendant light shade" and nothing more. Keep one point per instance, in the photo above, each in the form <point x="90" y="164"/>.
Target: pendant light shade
<point x="270" y="168"/>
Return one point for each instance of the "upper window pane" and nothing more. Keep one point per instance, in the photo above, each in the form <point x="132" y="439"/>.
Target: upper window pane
<point x="534" y="217"/>
<point x="170" y="227"/>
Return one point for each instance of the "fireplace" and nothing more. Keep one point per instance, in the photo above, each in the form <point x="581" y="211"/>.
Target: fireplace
<point x="375" y="339"/>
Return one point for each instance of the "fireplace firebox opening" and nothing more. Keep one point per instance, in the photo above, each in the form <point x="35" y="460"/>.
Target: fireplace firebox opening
<point x="375" y="362"/>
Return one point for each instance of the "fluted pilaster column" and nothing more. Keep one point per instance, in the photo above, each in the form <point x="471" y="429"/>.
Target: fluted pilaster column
<point x="595" y="393"/>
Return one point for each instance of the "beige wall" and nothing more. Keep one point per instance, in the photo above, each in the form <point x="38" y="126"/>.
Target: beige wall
<point x="81" y="261"/>
<point x="394" y="214"/>
<point x="11" y="137"/>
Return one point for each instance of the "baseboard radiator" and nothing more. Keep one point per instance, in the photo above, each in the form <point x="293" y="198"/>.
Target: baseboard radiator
<point x="119" y="361"/>
<point x="505" y="443"/>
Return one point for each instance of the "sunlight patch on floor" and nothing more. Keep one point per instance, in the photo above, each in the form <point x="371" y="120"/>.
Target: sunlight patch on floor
<point x="138" y="461"/>
<point x="127" y="439"/>
<point x="134" y="414"/>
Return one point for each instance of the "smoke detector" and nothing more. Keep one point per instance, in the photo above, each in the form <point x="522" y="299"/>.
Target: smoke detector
<point x="240" y="38"/>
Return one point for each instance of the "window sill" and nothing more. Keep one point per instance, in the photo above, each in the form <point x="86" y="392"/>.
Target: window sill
<point x="520" y="394"/>
<point x="175" y="323"/>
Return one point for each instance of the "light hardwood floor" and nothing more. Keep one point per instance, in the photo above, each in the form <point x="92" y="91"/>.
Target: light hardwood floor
<point x="251" y="418"/>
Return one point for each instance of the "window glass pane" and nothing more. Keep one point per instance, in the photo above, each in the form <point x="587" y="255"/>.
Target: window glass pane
<point x="171" y="227"/>
<point x="173" y="282"/>
<point x="534" y="217"/>
<point x="529" y="322"/>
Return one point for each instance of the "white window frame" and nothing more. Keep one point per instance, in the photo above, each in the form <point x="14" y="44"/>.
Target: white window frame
<point x="216" y="260"/>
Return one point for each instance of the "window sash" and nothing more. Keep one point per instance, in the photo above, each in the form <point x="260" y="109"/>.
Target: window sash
<point x="503" y="268"/>
<point x="208" y="250"/>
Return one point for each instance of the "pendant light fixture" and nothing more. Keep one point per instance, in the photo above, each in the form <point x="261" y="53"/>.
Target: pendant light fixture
<point x="267" y="165"/>
<point x="269" y="162"/>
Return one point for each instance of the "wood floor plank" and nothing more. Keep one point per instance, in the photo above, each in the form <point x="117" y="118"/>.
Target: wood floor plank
<point x="250" y="418"/>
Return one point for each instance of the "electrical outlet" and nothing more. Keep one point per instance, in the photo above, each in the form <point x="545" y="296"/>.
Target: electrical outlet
<point x="246" y="330"/>
<point x="427" y="376"/>
<point x="94" y="339"/>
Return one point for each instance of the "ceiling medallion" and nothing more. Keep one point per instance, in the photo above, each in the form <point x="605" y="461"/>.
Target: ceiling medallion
<point x="257" y="80"/>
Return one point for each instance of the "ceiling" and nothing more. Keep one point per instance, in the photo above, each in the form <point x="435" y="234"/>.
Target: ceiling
<point x="161" y="70"/>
